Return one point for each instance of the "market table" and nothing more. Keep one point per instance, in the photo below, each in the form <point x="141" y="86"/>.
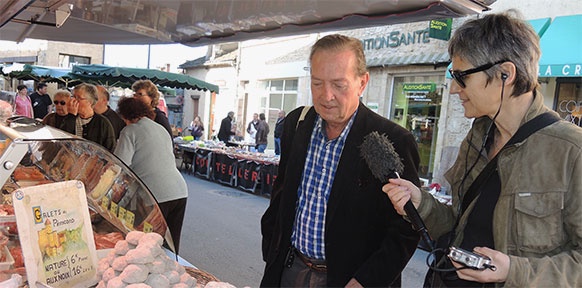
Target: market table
<point x="250" y="172"/>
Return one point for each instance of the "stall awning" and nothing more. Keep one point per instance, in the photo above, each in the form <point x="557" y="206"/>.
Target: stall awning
<point x="562" y="48"/>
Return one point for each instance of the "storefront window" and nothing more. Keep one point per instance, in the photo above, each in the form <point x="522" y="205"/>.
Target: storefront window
<point x="282" y="96"/>
<point x="416" y="105"/>
<point x="569" y="99"/>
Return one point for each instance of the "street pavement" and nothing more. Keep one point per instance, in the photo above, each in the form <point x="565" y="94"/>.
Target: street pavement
<point x="221" y="235"/>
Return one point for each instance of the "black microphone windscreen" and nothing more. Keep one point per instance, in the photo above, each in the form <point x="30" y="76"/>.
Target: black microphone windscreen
<point x="381" y="157"/>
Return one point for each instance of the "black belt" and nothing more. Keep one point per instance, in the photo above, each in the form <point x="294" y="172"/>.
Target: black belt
<point x="313" y="264"/>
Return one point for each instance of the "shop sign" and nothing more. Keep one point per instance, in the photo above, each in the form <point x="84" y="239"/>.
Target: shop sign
<point x="440" y="29"/>
<point x="373" y="106"/>
<point x="395" y="39"/>
<point x="419" y="87"/>
<point x="566" y="70"/>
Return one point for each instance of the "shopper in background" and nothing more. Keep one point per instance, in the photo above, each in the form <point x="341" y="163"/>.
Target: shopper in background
<point x="41" y="101"/>
<point x="61" y="102"/>
<point x="527" y="213"/>
<point x="279" y="131"/>
<point x="146" y="91"/>
<point x="102" y="107"/>
<point x="251" y="136"/>
<point x="262" y="133"/>
<point x="226" y="130"/>
<point x="197" y="128"/>
<point x="87" y="123"/>
<point x="329" y="224"/>
<point x="145" y="148"/>
<point x="22" y="103"/>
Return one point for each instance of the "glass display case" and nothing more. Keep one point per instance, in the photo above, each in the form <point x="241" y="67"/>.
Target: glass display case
<point x="34" y="154"/>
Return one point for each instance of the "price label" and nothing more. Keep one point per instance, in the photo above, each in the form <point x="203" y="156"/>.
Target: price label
<point x="105" y="203"/>
<point x="121" y="214"/>
<point x="113" y="208"/>
<point x="147" y="227"/>
<point x="129" y="219"/>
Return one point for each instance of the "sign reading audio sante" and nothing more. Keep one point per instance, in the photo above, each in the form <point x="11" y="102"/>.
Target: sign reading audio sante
<point x="56" y="236"/>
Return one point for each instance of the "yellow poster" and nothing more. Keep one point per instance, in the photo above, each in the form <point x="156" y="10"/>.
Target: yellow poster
<point x="56" y="234"/>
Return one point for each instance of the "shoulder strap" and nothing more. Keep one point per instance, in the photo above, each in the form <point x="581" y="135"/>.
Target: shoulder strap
<point x="302" y="116"/>
<point x="522" y="133"/>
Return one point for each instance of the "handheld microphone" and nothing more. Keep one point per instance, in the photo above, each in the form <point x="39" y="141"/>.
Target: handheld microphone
<point x="384" y="162"/>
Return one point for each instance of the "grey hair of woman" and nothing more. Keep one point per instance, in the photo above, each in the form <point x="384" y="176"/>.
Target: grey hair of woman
<point x="89" y="90"/>
<point x="497" y="37"/>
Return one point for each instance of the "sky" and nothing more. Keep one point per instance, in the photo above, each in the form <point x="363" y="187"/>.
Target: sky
<point x="136" y="56"/>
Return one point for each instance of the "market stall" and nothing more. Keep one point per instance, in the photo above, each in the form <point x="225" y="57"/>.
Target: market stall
<point x="67" y="204"/>
<point x="233" y="166"/>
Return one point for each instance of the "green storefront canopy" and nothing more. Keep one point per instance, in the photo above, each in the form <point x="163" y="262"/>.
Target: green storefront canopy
<point x="562" y="48"/>
<point x="124" y="77"/>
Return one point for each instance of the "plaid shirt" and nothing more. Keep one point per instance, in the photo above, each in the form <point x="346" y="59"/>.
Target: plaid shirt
<point x="320" y="166"/>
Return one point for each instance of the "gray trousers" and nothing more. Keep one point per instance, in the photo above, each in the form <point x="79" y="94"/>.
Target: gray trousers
<point x="299" y="275"/>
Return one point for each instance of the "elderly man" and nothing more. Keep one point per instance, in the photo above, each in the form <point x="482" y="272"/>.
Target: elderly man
<point x="329" y="224"/>
<point x="102" y="108"/>
<point x="87" y="123"/>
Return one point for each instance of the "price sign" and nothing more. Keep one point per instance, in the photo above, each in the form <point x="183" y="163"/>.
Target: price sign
<point x="56" y="236"/>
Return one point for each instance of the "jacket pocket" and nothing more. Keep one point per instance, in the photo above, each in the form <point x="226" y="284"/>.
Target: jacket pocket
<point x="539" y="221"/>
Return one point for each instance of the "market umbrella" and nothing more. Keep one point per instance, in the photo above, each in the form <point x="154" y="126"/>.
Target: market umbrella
<point x="124" y="77"/>
<point x="40" y="73"/>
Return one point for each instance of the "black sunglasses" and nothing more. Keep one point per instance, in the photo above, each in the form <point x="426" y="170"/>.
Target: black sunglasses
<point x="59" y="102"/>
<point x="459" y="75"/>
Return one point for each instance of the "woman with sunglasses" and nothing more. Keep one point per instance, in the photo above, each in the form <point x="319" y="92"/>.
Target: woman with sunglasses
<point x="524" y="211"/>
<point x="61" y="101"/>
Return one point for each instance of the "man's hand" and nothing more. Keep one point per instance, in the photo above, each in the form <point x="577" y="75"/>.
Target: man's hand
<point x="498" y="259"/>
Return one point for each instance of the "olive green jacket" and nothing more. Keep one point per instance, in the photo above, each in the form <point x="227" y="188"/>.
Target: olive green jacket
<point x="538" y="217"/>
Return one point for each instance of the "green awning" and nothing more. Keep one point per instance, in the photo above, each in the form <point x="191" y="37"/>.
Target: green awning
<point x="39" y="73"/>
<point x="562" y="48"/>
<point x="539" y="25"/>
<point x="124" y="77"/>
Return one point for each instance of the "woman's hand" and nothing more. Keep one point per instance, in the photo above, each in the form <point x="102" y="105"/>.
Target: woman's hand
<point x="498" y="259"/>
<point x="400" y="191"/>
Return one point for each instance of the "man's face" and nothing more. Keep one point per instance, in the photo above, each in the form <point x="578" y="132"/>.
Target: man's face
<point x="255" y="117"/>
<point x="101" y="104"/>
<point x="43" y="90"/>
<point x="335" y="87"/>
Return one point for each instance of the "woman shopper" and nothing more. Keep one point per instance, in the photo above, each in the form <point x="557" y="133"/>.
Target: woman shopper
<point x="22" y="103"/>
<point x="147" y="92"/>
<point x="197" y="128"/>
<point x="148" y="151"/>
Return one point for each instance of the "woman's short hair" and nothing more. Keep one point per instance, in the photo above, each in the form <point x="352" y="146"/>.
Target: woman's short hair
<point x="62" y="93"/>
<point x="337" y="42"/>
<point x="131" y="108"/>
<point x="90" y="91"/>
<point x="20" y="87"/>
<point x="497" y="37"/>
<point x="150" y="89"/>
